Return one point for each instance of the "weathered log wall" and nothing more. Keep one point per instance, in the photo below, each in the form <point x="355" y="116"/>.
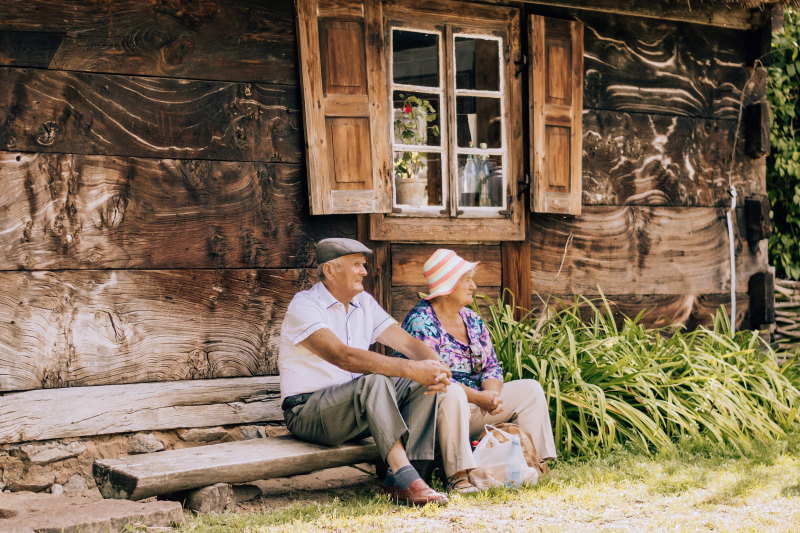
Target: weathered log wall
<point x="153" y="221"/>
<point x="154" y="216"/>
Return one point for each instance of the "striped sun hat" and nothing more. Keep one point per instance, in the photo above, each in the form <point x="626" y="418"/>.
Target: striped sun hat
<point x="443" y="269"/>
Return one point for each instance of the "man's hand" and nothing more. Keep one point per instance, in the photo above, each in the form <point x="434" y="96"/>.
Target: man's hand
<point x="489" y="401"/>
<point x="433" y="374"/>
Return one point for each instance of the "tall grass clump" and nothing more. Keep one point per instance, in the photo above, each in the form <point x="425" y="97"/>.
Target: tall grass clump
<point x="610" y="382"/>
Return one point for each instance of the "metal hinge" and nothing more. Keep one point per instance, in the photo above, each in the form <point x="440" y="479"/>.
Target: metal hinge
<point x="520" y="64"/>
<point x="524" y="186"/>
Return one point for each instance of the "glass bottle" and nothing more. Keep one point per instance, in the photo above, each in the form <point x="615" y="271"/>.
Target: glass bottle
<point x="470" y="184"/>
<point x="514" y="463"/>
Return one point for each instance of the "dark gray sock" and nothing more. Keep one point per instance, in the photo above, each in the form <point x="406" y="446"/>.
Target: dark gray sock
<point x="405" y="476"/>
<point x="389" y="480"/>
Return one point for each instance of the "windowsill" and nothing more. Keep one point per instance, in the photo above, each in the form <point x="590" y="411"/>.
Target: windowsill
<point x="464" y="229"/>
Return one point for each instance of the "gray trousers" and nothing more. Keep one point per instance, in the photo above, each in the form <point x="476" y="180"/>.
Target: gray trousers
<point x="386" y="408"/>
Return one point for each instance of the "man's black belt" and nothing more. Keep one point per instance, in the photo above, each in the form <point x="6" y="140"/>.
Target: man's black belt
<point x="294" y="401"/>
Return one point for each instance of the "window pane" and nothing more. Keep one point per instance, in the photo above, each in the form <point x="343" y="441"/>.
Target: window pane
<point x="478" y="121"/>
<point x="416" y="119"/>
<point x="477" y="64"/>
<point x="480" y="180"/>
<point x="415" y="58"/>
<point x="418" y="178"/>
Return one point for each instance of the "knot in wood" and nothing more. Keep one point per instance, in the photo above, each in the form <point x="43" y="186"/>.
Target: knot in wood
<point x="47" y="133"/>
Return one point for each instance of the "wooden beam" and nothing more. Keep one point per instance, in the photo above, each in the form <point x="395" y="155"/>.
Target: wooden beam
<point x="405" y="298"/>
<point x="704" y="13"/>
<point x="81" y="113"/>
<point x="238" y="40"/>
<point x="643" y="65"/>
<point x="80" y="411"/>
<point x="516" y="274"/>
<point x="379" y="281"/>
<point x="67" y="211"/>
<point x="658" y="310"/>
<point x="655" y="159"/>
<point x="105" y="327"/>
<point x="140" y="476"/>
<point x="408" y="259"/>
<point x="640" y="250"/>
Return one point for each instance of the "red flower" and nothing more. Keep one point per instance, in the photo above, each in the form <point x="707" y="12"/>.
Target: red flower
<point x="408" y="108"/>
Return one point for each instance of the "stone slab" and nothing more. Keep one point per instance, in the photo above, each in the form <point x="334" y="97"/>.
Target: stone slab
<point x="45" y="513"/>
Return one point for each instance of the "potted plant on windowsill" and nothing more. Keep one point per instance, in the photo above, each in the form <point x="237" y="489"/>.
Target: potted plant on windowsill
<point x="411" y="127"/>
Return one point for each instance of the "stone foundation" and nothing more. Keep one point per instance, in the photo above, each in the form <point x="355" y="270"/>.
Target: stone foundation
<point x="64" y="466"/>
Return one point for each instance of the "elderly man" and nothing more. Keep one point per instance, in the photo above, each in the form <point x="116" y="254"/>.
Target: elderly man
<point x="334" y="389"/>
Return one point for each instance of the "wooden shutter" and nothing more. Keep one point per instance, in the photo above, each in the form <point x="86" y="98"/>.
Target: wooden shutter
<point x="556" y="91"/>
<point x="345" y="106"/>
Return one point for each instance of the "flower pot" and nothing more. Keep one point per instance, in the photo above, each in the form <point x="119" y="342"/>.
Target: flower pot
<point x="411" y="191"/>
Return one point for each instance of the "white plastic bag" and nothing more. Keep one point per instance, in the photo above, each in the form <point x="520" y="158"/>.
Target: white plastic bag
<point x="491" y="455"/>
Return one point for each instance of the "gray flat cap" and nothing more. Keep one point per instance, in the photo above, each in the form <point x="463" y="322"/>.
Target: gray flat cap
<point x="330" y="249"/>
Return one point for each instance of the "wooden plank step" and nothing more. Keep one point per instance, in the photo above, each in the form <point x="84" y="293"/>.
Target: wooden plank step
<point x="136" y="477"/>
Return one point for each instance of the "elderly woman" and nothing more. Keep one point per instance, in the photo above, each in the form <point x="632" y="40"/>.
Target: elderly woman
<point x="477" y="394"/>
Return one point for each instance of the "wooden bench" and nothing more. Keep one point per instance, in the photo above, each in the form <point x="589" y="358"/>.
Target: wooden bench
<point x="135" y="477"/>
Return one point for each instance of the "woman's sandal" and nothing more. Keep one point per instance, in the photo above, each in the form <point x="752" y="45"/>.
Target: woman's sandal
<point x="461" y="484"/>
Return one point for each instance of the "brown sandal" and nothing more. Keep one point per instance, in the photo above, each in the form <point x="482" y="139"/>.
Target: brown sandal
<point x="460" y="483"/>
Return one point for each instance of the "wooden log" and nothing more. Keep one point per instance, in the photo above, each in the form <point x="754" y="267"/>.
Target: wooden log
<point x="79" y="411"/>
<point x="62" y="211"/>
<point x="756" y="128"/>
<point x="756" y="212"/>
<point x="710" y="14"/>
<point x="640" y="250"/>
<point x="643" y="65"/>
<point x="405" y="298"/>
<point x="79" y="113"/>
<point x="761" y="289"/>
<point x="80" y="328"/>
<point x="658" y="310"/>
<point x="408" y="259"/>
<point x="650" y="159"/>
<point x="516" y="267"/>
<point x="141" y="476"/>
<point x="235" y="40"/>
<point x="787" y="283"/>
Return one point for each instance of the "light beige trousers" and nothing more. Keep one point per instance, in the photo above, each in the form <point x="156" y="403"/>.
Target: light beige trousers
<point x="459" y="421"/>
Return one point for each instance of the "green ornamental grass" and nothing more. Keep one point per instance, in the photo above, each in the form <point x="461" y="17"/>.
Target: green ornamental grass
<point x="613" y="382"/>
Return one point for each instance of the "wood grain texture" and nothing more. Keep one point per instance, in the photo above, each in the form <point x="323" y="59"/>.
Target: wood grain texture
<point x="140" y="476"/>
<point x="726" y="15"/>
<point x="516" y="267"/>
<point x="73" y="211"/>
<point x="641" y="250"/>
<point x="659" y="310"/>
<point x="79" y="411"/>
<point x="635" y="64"/>
<point x="80" y="328"/>
<point x="57" y="111"/>
<point x="408" y="259"/>
<point x="241" y="40"/>
<point x="651" y="159"/>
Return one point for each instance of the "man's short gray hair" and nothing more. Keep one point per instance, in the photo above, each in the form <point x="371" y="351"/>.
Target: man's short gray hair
<point x="335" y="262"/>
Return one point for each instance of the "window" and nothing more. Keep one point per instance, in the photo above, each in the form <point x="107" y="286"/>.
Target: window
<point x="436" y="173"/>
<point x="413" y="113"/>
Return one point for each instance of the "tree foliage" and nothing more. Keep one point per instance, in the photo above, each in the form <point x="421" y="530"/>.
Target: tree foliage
<point x="783" y="165"/>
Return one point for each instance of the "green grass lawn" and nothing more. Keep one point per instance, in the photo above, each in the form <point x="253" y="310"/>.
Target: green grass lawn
<point x="692" y="488"/>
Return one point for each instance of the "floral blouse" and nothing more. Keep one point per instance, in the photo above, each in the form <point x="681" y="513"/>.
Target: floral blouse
<point x="469" y="364"/>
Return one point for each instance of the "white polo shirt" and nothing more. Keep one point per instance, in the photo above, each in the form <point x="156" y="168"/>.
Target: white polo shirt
<point x="309" y="311"/>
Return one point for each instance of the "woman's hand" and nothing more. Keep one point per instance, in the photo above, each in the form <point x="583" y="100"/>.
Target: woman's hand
<point x="489" y="402"/>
